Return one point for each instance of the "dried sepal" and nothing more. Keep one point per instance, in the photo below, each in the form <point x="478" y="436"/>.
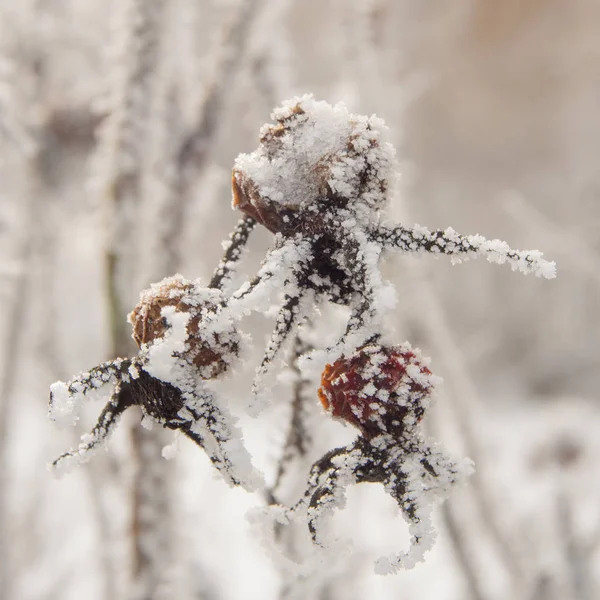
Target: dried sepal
<point x="193" y="411"/>
<point x="416" y="474"/>
<point x="66" y="399"/>
<point x="100" y="434"/>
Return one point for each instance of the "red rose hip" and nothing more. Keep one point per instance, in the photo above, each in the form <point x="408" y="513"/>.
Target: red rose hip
<point x="379" y="389"/>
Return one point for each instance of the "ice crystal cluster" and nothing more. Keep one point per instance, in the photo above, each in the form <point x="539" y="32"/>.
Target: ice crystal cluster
<point x="319" y="181"/>
<point x="316" y="160"/>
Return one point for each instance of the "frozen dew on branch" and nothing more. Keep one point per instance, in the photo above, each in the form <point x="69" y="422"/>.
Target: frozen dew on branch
<point x="419" y="239"/>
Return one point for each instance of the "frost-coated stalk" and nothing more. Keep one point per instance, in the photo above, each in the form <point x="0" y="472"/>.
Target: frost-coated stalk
<point x="578" y="564"/>
<point x="271" y="52"/>
<point x="297" y="446"/>
<point x="299" y="437"/>
<point x="121" y="162"/>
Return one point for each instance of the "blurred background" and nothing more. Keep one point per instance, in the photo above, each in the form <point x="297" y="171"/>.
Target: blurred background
<point x="119" y="124"/>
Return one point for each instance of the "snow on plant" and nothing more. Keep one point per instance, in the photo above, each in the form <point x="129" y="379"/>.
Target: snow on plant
<point x="384" y="391"/>
<point x="182" y="345"/>
<point x="319" y="180"/>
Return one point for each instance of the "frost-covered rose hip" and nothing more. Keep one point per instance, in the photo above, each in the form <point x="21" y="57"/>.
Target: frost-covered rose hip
<point x="185" y="337"/>
<point x="379" y="389"/>
<point x="316" y="159"/>
<point x="210" y="350"/>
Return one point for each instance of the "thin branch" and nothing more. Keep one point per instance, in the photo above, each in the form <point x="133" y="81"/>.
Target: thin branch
<point x="235" y="246"/>
<point x="299" y="437"/>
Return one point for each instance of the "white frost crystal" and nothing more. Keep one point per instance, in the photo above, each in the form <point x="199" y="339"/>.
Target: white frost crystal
<point x="319" y="180"/>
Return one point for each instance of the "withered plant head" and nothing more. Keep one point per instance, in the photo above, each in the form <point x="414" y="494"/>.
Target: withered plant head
<point x="184" y="340"/>
<point x="317" y="160"/>
<point x="206" y="348"/>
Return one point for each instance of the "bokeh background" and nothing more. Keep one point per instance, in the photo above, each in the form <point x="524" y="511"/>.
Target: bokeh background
<point x="119" y="123"/>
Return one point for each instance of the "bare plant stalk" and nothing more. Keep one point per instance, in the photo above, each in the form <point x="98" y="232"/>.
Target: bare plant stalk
<point x="294" y="456"/>
<point x="16" y="125"/>
<point x="299" y="438"/>
<point x="122" y="142"/>
<point x="271" y="52"/>
<point x="453" y="527"/>
<point x="155" y="526"/>
<point x="12" y="353"/>
<point x="577" y="561"/>
<point x="99" y="474"/>
<point x="190" y="157"/>
<point x="121" y="148"/>
<point x="152" y="518"/>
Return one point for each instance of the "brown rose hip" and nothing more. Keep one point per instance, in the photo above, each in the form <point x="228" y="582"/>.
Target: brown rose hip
<point x="210" y="352"/>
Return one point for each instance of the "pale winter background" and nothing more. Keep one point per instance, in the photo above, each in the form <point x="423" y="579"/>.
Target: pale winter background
<point x="119" y="123"/>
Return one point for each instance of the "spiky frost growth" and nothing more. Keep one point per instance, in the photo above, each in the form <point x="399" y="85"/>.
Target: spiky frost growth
<point x="317" y="159"/>
<point x="319" y="180"/>
<point x="181" y="347"/>
<point x="459" y="248"/>
<point x="384" y="392"/>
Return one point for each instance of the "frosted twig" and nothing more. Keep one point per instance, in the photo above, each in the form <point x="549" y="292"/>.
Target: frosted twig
<point x="456" y="529"/>
<point x="23" y="131"/>
<point x="233" y="252"/>
<point x="453" y="527"/>
<point x="299" y="436"/>
<point x="418" y="239"/>
<point x="107" y="421"/>
<point x="286" y="320"/>
<point x="12" y="345"/>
